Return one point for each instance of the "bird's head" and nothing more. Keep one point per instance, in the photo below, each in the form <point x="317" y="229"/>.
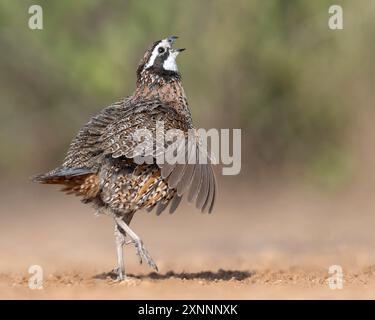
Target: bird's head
<point x="160" y="58"/>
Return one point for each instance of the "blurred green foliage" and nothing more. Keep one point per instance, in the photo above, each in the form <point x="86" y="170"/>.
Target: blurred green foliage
<point x="272" y="68"/>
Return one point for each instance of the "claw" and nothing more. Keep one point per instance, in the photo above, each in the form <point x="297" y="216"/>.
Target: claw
<point x="144" y="255"/>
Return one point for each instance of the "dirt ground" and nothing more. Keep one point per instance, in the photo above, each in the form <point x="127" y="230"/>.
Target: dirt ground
<point x="259" y="244"/>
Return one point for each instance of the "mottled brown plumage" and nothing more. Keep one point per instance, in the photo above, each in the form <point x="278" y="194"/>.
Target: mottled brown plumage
<point x="100" y="167"/>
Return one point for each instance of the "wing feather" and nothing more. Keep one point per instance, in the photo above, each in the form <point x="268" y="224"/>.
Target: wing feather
<point x="111" y="133"/>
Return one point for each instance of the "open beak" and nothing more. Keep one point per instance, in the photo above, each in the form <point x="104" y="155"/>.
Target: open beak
<point x="171" y="40"/>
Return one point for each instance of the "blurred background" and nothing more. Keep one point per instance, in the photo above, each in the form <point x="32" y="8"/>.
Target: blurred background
<point x="301" y="93"/>
<point x="274" y="69"/>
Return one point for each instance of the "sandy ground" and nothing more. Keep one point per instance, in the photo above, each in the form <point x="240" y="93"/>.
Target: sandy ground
<point x="270" y="244"/>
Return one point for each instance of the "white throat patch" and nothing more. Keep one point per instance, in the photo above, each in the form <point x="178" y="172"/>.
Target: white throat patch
<point x="170" y="63"/>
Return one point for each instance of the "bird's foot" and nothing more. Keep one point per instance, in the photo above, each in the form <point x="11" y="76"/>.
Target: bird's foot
<point x="120" y="274"/>
<point x="143" y="254"/>
<point x="139" y="247"/>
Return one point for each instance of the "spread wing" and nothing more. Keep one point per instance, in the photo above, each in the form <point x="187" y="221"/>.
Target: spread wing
<point x="192" y="173"/>
<point x="111" y="133"/>
<point x="192" y="176"/>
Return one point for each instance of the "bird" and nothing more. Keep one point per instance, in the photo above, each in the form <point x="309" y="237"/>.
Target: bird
<point x="100" y="165"/>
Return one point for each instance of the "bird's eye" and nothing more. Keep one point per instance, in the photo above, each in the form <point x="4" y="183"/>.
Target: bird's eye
<point x="161" y="49"/>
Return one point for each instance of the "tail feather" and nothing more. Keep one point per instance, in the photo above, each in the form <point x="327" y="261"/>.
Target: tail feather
<point x="80" y="182"/>
<point x="60" y="175"/>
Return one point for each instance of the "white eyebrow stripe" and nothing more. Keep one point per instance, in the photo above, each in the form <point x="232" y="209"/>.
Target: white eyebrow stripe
<point x="155" y="52"/>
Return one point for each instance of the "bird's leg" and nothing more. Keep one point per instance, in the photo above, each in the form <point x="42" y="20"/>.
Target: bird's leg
<point x="141" y="250"/>
<point x="120" y="241"/>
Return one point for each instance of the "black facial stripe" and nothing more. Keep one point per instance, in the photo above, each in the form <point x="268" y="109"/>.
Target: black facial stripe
<point x="147" y="57"/>
<point x="151" y="50"/>
<point x="159" y="61"/>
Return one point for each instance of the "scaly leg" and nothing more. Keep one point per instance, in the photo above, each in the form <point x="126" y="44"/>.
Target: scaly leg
<point x="120" y="241"/>
<point x="141" y="250"/>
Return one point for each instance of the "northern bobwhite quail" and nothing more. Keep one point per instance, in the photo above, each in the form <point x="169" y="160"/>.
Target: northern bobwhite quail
<point x="100" y="167"/>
